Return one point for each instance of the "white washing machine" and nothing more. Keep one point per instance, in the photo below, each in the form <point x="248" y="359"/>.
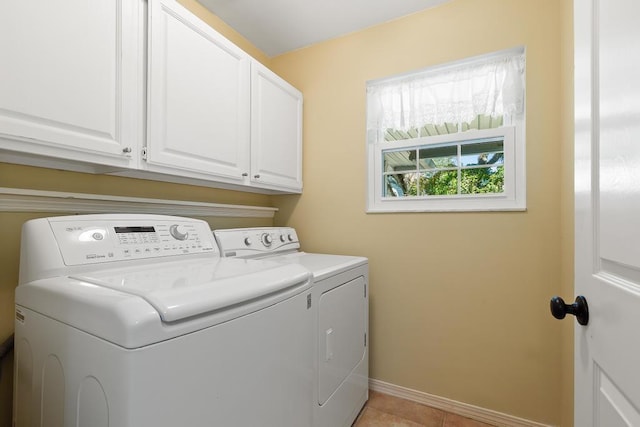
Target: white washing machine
<point x="341" y="306"/>
<point x="136" y="321"/>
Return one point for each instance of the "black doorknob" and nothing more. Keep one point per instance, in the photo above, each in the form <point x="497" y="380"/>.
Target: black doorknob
<point x="580" y="309"/>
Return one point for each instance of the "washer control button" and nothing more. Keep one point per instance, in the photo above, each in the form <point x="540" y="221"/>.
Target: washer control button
<point x="178" y="232"/>
<point x="247" y="241"/>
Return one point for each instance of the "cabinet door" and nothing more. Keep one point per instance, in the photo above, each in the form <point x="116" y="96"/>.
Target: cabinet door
<point x="276" y="131"/>
<point x="70" y="79"/>
<point x="198" y="107"/>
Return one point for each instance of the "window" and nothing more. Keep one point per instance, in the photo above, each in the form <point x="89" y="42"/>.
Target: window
<point x="449" y="138"/>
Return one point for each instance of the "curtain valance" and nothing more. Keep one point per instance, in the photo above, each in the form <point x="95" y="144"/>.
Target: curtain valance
<point x="455" y="94"/>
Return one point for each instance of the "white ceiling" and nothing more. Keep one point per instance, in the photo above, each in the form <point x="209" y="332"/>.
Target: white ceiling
<point x="279" y="26"/>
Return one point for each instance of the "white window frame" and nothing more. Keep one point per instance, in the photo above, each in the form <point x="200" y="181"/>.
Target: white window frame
<point x="512" y="199"/>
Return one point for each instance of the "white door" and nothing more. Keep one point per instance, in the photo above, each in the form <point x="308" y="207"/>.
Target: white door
<point x="607" y="186"/>
<point x="198" y="107"/>
<point x="276" y="131"/>
<point x="69" y="79"/>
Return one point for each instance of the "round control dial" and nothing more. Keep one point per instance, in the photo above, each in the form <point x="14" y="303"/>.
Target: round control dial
<point x="247" y="241"/>
<point x="178" y="232"/>
<point x="266" y="239"/>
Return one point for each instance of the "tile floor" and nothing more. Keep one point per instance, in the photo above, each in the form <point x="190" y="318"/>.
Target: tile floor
<point x="383" y="410"/>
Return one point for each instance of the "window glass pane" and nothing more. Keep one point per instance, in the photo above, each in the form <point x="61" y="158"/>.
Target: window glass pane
<point x="393" y="135"/>
<point x="488" y="152"/>
<point x="439" y="183"/>
<point x="483" y="121"/>
<point x="482" y="180"/>
<point x="438" y="169"/>
<point x="426" y="130"/>
<point x="438" y="157"/>
<point x="413" y="133"/>
<point x="399" y="160"/>
<point x="400" y="185"/>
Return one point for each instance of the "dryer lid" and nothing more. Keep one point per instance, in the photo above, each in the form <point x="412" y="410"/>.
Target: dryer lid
<point x="322" y="265"/>
<point x="179" y="290"/>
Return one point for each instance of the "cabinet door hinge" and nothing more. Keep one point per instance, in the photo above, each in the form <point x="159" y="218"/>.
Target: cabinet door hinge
<point x="144" y="153"/>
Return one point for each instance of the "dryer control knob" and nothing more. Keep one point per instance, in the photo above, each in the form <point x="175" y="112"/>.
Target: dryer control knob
<point x="266" y="239"/>
<point x="282" y="238"/>
<point x="291" y="237"/>
<point x="178" y="232"/>
<point x="247" y="241"/>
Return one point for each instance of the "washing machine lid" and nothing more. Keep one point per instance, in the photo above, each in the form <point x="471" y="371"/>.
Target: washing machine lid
<point x="179" y="290"/>
<point x="322" y="265"/>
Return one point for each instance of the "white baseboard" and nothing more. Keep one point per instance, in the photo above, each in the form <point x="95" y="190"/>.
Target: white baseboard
<point x="459" y="408"/>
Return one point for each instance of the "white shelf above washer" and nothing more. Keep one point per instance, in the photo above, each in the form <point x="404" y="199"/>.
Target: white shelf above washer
<point x="25" y="200"/>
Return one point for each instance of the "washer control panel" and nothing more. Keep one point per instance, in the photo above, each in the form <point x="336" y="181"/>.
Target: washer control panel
<point x="256" y="242"/>
<point x="95" y="241"/>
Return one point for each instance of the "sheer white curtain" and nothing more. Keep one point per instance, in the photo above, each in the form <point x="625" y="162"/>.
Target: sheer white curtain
<point x="493" y="86"/>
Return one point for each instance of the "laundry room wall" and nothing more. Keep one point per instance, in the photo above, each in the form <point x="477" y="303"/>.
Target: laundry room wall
<point x="17" y="176"/>
<point x="459" y="301"/>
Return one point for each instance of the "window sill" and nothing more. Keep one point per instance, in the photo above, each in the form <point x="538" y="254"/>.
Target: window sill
<point x="449" y="205"/>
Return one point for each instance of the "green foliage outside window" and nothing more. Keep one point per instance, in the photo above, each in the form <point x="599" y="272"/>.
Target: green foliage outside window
<point x="445" y="182"/>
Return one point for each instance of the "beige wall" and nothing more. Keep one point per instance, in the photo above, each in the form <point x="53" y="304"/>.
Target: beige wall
<point x="459" y="301"/>
<point x="55" y="180"/>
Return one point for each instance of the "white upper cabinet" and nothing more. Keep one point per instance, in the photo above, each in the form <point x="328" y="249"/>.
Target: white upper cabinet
<point x="276" y="131"/>
<point x="72" y="96"/>
<point x="70" y="86"/>
<point x="198" y="98"/>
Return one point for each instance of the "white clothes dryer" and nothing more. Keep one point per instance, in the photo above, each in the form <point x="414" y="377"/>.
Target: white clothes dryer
<point x="341" y="306"/>
<point x="136" y="321"/>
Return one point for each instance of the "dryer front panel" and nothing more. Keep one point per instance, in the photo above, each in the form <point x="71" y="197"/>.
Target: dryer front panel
<point x="342" y="335"/>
